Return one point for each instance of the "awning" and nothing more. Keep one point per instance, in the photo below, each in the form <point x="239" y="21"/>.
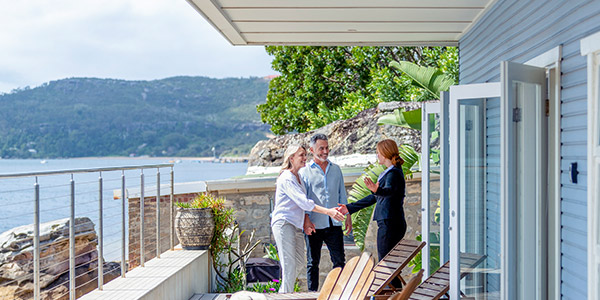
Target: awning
<point x="342" y="22"/>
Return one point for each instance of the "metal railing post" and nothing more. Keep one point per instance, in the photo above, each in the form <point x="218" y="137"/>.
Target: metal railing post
<point x="123" y="266"/>
<point x="36" y="242"/>
<point x="72" y="286"/>
<point x="142" y="258"/>
<point x="100" y="237"/>
<point x="171" y="233"/>
<point x="158" y="213"/>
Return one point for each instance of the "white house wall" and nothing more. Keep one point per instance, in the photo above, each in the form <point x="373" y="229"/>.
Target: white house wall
<point x="518" y="31"/>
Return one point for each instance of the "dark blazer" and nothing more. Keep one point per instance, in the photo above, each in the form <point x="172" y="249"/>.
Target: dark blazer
<point x="389" y="197"/>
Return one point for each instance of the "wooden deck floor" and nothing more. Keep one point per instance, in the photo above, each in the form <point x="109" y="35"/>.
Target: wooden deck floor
<point x="273" y="296"/>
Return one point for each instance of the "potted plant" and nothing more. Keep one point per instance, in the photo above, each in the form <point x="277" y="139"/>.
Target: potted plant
<point x="195" y="221"/>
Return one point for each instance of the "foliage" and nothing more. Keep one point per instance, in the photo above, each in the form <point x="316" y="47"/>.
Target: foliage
<point x="178" y="116"/>
<point x="411" y="159"/>
<point x="271" y="252"/>
<point x="319" y="85"/>
<point x="362" y="218"/>
<point x="229" y="259"/>
<point x="430" y="79"/>
<point x="434" y="248"/>
<point x="434" y="254"/>
<point x="408" y="119"/>
<point x="270" y="287"/>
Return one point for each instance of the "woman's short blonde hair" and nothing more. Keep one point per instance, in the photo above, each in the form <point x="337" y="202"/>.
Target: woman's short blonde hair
<point x="287" y="156"/>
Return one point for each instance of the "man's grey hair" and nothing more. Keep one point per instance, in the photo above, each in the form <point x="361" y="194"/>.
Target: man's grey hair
<point x="316" y="137"/>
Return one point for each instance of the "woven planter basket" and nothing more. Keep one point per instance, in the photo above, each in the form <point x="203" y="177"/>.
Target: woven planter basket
<point x="194" y="227"/>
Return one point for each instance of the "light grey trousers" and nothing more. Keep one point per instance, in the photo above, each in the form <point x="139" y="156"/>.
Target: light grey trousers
<point x="290" y="248"/>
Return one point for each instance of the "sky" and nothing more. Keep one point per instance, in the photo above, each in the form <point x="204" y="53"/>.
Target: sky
<point x="42" y="41"/>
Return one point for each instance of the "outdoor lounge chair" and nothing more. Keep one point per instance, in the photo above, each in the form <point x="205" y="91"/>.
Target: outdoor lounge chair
<point x="392" y="265"/>
<point x="361" y="277"/>
<point x="409" y="288"/>
<point x="438" y="284"/>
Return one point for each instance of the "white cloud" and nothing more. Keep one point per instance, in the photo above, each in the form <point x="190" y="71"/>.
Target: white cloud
<point x="137" y="40"/>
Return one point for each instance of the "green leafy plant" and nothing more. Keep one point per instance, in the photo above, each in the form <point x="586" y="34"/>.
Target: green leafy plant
<point x="270" y="287"/>
<point x="271" y="251"/>
<point x="434" y="248"/>
<point x="430" y="79"/>
<point x="227" y="254"/>
<point x="400" y="117"/>
<point x="434" y="254"/>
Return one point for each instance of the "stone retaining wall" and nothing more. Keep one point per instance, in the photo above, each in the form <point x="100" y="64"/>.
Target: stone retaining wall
<point x="251" y="199"/>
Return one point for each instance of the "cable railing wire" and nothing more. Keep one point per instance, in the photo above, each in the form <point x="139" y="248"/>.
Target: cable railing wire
<point x="78" y="202"/>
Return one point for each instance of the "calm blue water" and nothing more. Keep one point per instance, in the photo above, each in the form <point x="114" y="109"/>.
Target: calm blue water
<point x="17" y="194"/>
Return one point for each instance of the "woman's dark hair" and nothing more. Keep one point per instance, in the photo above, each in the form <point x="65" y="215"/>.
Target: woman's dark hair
<point x="389" y="149"/>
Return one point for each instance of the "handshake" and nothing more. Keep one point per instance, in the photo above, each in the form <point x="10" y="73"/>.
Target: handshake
<point x="336" y="213"/>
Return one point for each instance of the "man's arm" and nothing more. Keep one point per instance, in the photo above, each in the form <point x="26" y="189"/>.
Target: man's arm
<point x="342" y="188"/>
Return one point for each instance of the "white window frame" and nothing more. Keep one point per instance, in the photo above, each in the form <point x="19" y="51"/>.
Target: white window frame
<point x="551" y="61"/>
<point x="441" y="109"/>
<point x="457" y="93"/>
<point x="427" y="109"/>
<point x="508" y="186"/>
<point x="590" y="47"/>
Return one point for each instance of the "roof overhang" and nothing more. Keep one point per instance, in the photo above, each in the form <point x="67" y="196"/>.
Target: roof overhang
<point x="342" y="22"/>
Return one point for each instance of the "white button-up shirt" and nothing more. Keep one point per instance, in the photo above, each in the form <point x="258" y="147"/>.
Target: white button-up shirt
<point x="325" y="188"/>
<point x="290" y="200"/>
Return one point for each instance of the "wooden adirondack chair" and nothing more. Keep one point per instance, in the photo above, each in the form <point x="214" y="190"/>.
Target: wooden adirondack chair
<point x="349" y="282"/>
<point x="361" y="277"/>
<point x="438" y="284"/>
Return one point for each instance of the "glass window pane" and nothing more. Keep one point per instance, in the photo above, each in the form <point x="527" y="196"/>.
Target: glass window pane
<point x="528" y="199"/>
<point x="479" y="171"/>
<point x="597" y="70"/>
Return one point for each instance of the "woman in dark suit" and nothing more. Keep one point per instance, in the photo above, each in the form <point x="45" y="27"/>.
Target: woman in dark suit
<point x="388" y="192"/>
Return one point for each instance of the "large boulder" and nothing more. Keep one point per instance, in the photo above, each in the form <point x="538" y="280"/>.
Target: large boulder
<point x="16" y="260"/>
<point x="358" y="135"/>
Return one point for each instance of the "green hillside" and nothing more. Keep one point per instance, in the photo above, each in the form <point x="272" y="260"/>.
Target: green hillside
<point x="178" y="116"/>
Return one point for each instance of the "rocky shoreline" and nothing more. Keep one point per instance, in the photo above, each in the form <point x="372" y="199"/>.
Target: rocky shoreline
<point x="16" y="260"/>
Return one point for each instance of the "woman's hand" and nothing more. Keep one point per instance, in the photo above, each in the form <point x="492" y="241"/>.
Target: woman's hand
<point x="309" y="227"/>
<point x="370" y="185"/>
<point x="334" y="213"/>
<point x="342" y="208"/>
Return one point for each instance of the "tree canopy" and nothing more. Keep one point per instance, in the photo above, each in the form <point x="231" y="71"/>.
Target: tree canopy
<point x="319" y="85"/>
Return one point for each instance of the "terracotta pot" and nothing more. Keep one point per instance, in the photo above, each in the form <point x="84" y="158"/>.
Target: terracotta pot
<point x="194" y="227"/>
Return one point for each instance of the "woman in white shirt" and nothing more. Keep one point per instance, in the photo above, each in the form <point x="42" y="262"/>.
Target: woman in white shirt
<point x="287" y="218"/>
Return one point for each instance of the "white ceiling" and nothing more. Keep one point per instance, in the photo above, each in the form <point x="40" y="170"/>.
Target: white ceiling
<point x="342" y="22"/>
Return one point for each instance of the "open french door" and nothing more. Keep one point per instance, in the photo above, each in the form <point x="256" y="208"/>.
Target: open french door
<point x="498" y="183"/>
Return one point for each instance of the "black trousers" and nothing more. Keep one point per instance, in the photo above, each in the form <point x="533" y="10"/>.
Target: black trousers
<point x="389" y="233"/>
<point x="333" y="237"/>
